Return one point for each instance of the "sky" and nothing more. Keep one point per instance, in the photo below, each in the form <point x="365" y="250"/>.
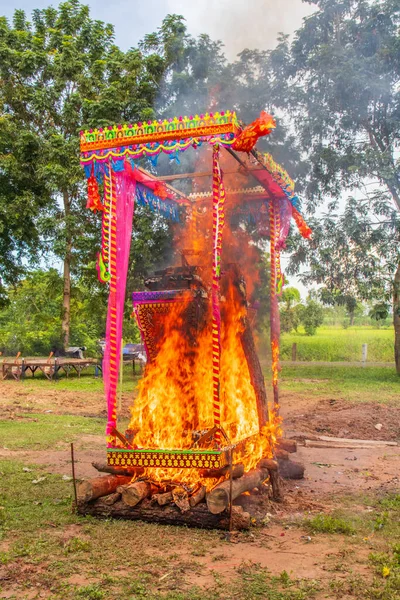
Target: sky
<point x="238" y="24"/>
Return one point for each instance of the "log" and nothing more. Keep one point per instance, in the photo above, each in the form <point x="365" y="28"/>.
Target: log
<point x="286" y="444"/>
<point x="268" y="463"/>
<point x="198" y="516"/>
<point x="237" y="471"/>
<point x="275" y="481"/>
<point x="133" y="493"/>
<point x="218" y="498"/>
<point x="127" y="472"/>
<point x="181" y="498"/>
<point x="288" y="469"/>
<point x="282" y="454"/>
<point x="100" y="486"/>
<point x="163" y="499"/>
<point x="376" y="443"/>
<point x="347" y="445"/>
<point x="112" y="498"/>
<point x="197" y="497"/>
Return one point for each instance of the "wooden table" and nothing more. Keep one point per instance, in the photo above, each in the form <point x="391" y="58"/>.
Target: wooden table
<point x="18" y="368"/>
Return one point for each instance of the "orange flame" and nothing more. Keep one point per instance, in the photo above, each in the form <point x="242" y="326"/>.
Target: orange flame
<point x="175" y="400"/>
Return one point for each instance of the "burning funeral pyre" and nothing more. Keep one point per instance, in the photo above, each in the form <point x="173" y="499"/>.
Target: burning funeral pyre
<point x="201" y="430"/>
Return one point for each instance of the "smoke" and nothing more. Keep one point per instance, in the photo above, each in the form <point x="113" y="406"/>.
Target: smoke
<point x="240" y="24"/>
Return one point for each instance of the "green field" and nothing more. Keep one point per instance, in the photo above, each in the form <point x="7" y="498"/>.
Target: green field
<point x="335" y="344"/>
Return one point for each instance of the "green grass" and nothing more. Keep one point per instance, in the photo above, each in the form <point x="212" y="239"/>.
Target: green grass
<point x="359" y="384"/>
<point x="329" y="524"/>
<point x="41" y="432"/>
<point x="334" y="344"/>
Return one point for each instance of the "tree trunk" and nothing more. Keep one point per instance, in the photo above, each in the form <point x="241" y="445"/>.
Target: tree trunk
<point x="198" y="516"/>
<point x="396" y="318"/>
<point x="66" y="317"/>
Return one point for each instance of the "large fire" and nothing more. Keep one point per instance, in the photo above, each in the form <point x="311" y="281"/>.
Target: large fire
<point x="174" y="404"/>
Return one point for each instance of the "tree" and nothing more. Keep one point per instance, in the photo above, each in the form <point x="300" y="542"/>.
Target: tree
<point x="340" y="86"/>
<point x="290" y="313"/>
<point x="312" y="316"/>
<point x="61" y="73"/>
<point x="32" y="322"/>
<point x="21" y="198"/>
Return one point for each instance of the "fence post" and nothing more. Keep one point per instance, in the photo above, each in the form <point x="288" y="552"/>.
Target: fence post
<point x="294" y="352"/>
<point x="364" y="352"/>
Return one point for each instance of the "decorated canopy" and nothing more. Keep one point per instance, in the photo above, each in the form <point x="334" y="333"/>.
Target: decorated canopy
<point x="111" y="157"/>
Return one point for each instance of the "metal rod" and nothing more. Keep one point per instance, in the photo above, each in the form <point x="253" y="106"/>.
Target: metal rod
<point x="73" y="473"/>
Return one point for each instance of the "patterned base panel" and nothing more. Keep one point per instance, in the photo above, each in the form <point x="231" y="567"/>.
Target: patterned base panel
<point x="200" y="459"/>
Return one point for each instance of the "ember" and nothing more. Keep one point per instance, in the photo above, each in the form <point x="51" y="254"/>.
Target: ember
<point x="200" y="427"/>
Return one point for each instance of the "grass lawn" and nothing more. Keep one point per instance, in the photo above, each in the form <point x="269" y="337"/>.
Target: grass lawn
<point x="336" y="344"/>
<point x="356" y="384"/>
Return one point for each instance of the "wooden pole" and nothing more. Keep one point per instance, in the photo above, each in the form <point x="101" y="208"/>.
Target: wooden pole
<point x="73" y="473"/>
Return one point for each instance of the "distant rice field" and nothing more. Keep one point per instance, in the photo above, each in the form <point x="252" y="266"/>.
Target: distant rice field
<point x="335" y="344"/>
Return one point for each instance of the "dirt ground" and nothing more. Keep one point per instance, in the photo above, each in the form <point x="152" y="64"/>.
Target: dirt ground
<point x="331" y="474"/>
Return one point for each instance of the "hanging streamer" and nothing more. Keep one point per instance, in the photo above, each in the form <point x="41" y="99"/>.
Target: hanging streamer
<point x="274" y="314"/>
<point x="119" y="196"/>
<point x="218" y="225"/>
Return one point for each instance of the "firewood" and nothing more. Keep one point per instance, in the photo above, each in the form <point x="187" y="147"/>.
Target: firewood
<point x="218" y="498"/>
<point x="237" y="471"/>
<point x="268" y="463"/>
<point x="162" y="499"/>
<point x="198" y="516"/>
<point x="112" y="498"/>
<point x="128" y="471"/>
<point x="198" y="496"/>
<point x="133" y="493"/>
<point x="275" y="481"/>
<point x="100" y="486"/>
<point x="288" y="469"/>
<point x="181" y="498"/>
<point x="282" y="454"/>
<point x="286" y="444"/>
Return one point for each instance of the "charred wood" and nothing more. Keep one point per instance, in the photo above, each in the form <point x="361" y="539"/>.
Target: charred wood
<point x="198" y="516"/>
<point x="181" y="498"/>
<point x="237" y="471"/>
<point x="127" y="472"/>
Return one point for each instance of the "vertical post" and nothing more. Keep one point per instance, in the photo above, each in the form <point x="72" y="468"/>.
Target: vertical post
<point x="294" y="352"/>
<point x="218" y="225"/>
<point x="23" y="369"/>
<point x="121" y="376"/>
<point x="274" y="222"/>
<point x="364" y="352"/>
<point x="73" y="473"/>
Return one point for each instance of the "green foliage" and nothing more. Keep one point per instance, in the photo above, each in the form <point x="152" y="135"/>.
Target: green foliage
<point x="329" y="524"/>
<point x="312" y="316"/>
<point x="31" y="324"/>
